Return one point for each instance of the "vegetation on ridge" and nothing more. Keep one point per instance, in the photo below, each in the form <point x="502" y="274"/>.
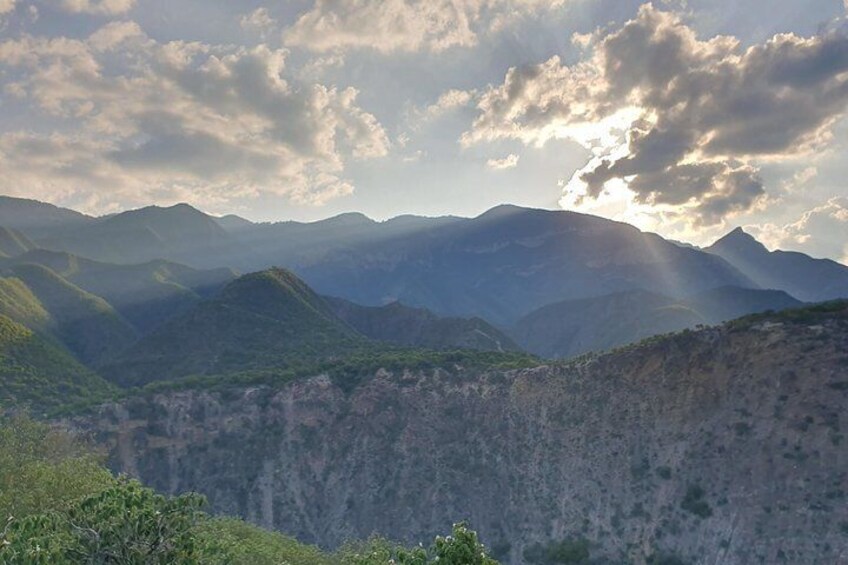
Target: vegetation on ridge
<point x="41" y="375"/>
<point x="63" y="507"/>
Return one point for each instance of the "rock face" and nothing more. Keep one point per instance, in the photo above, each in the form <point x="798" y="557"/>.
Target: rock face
<point x="717" y="446"/>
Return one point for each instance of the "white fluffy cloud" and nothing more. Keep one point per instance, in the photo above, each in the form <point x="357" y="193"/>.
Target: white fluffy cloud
<point x="258" y="21"/>
<point x="163" y="120"/>
<point x="98" y="7"/>
<point x="405" y="25"/>
<point x="677" y="122"/>
<point x="508" y="162"/>
<point x="822" y="230"/>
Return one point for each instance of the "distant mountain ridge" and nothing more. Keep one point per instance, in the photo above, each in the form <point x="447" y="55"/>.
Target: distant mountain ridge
<point x="399" y="324"/>
<point x="798" y="274"/>
<point x="178" y="233"/>
<point x="38" y="219"/>
<point x="146" y="294"/>
<point x="573" y="327"/>
<point x="499" y="266"/>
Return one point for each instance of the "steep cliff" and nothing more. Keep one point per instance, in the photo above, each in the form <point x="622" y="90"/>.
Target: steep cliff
<point x="723" y="445"/>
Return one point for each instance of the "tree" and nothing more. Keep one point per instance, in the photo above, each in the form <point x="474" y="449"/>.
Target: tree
<point x="126" y="524"/>
<point x="462" y="547"/>
<point x="44" y="469"/>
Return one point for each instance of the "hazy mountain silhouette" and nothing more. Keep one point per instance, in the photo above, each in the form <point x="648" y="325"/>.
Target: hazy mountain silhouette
<point x="504" y="263"/>
<point x="798" y="274"/>
<point x="146" y="294"/>
<point x="499" y="266"/>
<point x="572" y="327"/>
<point x="418" y="327"/>
<point x="38" y="219"/>
<point x="178" y="233"/>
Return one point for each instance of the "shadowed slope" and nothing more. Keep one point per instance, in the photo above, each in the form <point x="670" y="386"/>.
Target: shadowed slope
<point x="573" y="327"/>
<point x="269" y="319"/>
<point x="146" y="294"/>
<point x="40" y="375"/>
<point x="418" y="327"/>
<point x="84" y="323"/>
<point x="14" y="243"/>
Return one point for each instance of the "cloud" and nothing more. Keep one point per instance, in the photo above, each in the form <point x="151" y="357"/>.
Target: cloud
<point x="821" y="231"/>
<point x="448" y="100"/>
<point x="259" y="20"/>
<point x="6" y="6"/>
<point x="679" y="122"/>
<point x="800" y="179"/>
<point x="508" y="162"/>
<point x="405" y="25"/>
<point x="98" y="7"/>
<point x="165" y="119"/>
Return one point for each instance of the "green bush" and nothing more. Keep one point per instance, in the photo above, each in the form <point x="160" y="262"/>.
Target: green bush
<point x="565" y="552"/>
<point x="460" y="548"/>
<point x="42" y="469"/>
<point x="229" y="541"/>
<point x="694" y="502"/>
<point x="126" y="524"/>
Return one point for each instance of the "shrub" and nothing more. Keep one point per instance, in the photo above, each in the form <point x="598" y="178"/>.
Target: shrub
<point x="568" y="551"/>
<point x="694" y="502"/>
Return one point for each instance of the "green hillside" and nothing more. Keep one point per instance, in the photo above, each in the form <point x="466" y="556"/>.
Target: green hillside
<point x="145" y="294"/>
<point x="269" y="319"/>
<point x="19" y="303"/>
<point x="86" y="324"/>
<point x="38" y="374"/>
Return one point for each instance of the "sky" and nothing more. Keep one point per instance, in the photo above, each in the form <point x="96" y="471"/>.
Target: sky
<point x="683" y="117"/>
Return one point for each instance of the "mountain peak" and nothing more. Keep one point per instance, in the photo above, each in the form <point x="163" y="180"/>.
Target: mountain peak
<point x="274" y="292"/>
<point x="505" y="210"/>
<point x="177" y="209"/>
<point x="738" y="240"/>
<point x="347" y="219"/>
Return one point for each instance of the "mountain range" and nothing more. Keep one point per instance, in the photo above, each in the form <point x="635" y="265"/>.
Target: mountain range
<point x="155" y="293"/>
<point x="499" y="266"/>
<point x="806" y="278"/>
<point x="336" y="378"/>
